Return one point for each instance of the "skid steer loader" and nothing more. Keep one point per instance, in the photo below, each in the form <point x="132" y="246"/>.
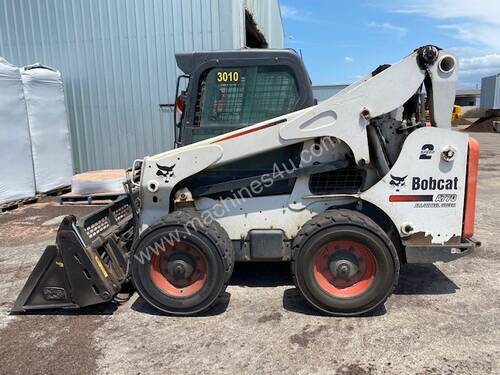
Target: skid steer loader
<point x="345" y="190"/>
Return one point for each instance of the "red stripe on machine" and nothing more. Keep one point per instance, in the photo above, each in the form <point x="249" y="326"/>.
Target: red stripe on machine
<point x="410" y="198"/>
<point x="248" y="131"/>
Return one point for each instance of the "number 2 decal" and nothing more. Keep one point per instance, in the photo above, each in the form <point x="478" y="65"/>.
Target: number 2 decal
<point x="426" y="152"/>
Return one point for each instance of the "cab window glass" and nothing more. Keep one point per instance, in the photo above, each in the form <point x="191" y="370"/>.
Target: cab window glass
<point x="236" y="97"/>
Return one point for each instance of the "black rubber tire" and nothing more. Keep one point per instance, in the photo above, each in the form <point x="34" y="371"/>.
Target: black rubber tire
<point x="211" y="239"/>
<point x="344" y="224"/>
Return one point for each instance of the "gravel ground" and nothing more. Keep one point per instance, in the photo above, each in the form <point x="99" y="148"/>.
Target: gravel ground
<point x="442" y="319"/>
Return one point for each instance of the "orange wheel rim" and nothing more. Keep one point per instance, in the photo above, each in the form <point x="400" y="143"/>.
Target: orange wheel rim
<point x="179" y="270"/>
<point x="344" y="269"/>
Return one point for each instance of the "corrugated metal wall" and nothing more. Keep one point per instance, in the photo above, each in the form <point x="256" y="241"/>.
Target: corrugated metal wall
<point x="117" y="60"/>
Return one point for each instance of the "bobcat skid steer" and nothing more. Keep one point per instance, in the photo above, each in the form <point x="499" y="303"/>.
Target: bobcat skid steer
<point x="345" y="190"/>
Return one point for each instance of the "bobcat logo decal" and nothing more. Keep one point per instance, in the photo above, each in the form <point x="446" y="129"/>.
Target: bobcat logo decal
<point x="165" y="171"/>
<point x="397" y="182"/>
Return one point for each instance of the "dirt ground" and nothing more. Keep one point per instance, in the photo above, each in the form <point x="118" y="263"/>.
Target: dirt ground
<point x="442" y="319"/>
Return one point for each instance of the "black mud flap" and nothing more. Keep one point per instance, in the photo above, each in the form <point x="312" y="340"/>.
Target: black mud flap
<point x="88" y="264"/>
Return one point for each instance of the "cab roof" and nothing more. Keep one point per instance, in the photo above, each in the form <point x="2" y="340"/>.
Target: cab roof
<point x="189" y="62"/>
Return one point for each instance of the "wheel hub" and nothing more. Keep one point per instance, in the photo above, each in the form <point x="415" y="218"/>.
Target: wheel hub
<point x="180" y="266"/>
<point x="344" y="264"/>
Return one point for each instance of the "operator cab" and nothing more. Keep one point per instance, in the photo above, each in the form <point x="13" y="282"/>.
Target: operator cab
<point x="228" y="90"/>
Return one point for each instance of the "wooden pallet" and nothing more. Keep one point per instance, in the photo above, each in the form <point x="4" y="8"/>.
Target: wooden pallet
<point x="9" y="206"/>
<point x="58" y="191"/>
<point x="90" y="199"/>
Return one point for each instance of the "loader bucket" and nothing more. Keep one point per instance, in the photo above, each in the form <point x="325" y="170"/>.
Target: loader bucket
<point x="88" y="264"/>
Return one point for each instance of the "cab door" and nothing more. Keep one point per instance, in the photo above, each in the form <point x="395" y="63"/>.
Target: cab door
<point x="233" y="96"/>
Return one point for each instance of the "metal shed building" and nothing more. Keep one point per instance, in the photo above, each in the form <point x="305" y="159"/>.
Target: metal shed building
<point x="490" y="92"/>
<point x="467" y="97"/>
<point x="117" y="61"/>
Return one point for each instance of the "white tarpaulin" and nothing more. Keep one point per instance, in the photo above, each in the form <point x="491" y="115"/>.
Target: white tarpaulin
<point x="48" y="123"/>
<point x="16" y="166"/>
